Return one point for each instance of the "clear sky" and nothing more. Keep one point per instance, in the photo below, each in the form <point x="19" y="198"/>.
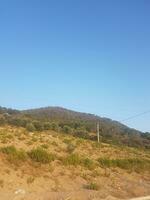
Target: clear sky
<point x="86" y="55"/>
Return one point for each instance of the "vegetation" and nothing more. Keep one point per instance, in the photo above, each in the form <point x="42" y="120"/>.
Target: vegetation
<point x="92" y="186"/>
<point x="14" y="155"/>
<point x="132" y="163"/>
<point x="88" y="163"/>
<point x="30" y="180"/>
<point x="72" y="159"/>
<point x="38" y="125"/>
<point x="45" y="146"/>
<point x="75" y="160"/>
<point x="77" y="124"/>
<point x="30" y="127"/>
<point x="47" y="126"/>
<point x="70" y="148"/>
<point x="67" y="129"/>
<point x="40" y="155"/>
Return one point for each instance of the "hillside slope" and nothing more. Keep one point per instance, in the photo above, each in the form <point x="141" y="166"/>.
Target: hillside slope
<point x="79" y="124"/>
<point x="48" y="165"/>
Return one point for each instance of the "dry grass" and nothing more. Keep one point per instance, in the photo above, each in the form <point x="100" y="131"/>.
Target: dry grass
<point x="30" y="180"/>
<point x="60" y="162"/>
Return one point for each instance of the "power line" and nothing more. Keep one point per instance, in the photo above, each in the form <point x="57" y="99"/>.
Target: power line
<point x="135" y="116"/>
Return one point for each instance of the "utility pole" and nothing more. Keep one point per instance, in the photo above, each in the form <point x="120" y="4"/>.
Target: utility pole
<point x="98" y="130"/>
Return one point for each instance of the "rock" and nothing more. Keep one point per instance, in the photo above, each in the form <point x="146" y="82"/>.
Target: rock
<point x="20" y="191"/>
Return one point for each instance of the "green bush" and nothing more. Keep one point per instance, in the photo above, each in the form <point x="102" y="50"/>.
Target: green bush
<point x="40" y="155"/>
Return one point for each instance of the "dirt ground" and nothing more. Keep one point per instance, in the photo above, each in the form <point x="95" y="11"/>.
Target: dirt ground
<point x="58" y="182"/>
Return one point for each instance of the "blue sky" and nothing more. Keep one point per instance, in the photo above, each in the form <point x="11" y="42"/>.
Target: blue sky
<point x="87" y="55"/>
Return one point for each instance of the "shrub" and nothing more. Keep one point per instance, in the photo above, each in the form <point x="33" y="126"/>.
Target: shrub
<point x="54" y="126"/>
<point x="47" y="126"/>
<point x="30" y="127"/>
<point x="40" y="155"/>
<point x="67" y="129"/>
<point x="81" y="132"/>
<point x="17" y="122"/>
<point x="2" y="121"/>
<point x="38" y="126"/>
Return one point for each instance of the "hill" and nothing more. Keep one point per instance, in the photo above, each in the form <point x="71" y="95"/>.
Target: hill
<point x="47" y="165"/>
<point x="52" y="153"/>
<point x="75" y="123"/>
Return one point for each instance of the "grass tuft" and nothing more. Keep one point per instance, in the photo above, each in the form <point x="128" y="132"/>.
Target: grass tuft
<point x="14" y="156"/>
<point x="92" y="186"/>
<point x="128" y="164"/>
<point x="75" y="160"/>
<point x="88" y="163"/>
<point x="72" y="159"/>
<point x="41" y="155"/>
